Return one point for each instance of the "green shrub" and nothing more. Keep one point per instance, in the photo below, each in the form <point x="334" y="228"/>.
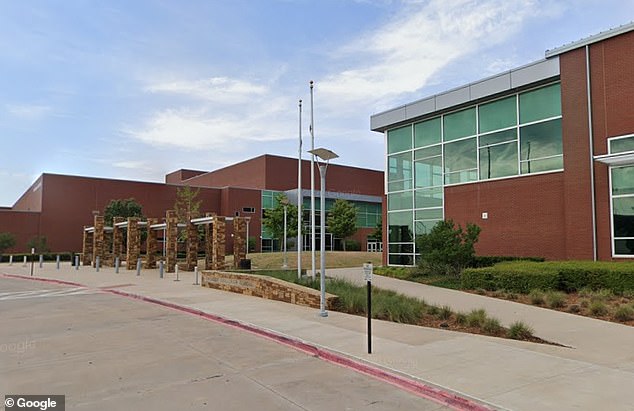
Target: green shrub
<point x="447" y="249"/>
<point x="402" y="273"/>
<point x="598" y="308"/>
<point x="491" y="326"/>
<point x="433" y="310"/>
<point x="537" y="297"/>
<point x="489" y="261"/>
<point x="519" y="331"/>
<point x="476" y="318"/>
<point x="520" y="277"/>
<point x="555" y="299"/>
<point x="574" y="309"/>
<point x="352" y="245"/>
<point x="601" y="295"/>
<point x="445" y="312"/>
<point x="624" y="313"/>
<point x="461" y="318"/>
<point x="7" y="240"/>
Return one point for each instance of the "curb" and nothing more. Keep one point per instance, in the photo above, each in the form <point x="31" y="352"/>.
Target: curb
<point x="411" y="385"/>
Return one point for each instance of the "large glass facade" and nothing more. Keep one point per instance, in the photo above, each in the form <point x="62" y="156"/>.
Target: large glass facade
<point x="511" y="136"/>
<point x="622" y="190"/>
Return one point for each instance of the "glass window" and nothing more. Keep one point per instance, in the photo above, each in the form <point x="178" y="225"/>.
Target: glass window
<point x="427" y="132"/>
<point x="402" y="248"/>
<point x="400" y="259"/>
<point x="429" y="197"/>
<point x="400" y="226"/>
<point x="545" y="164"/>
<point x="428" y="172"/>
<point x="500" y="137"/>
<point x="461" y="161"/>
<point x="622" y="145"/>
<point x="399" y="139"/>
<point x="399" y="172"/>
<point x="498" y="161"/>
<point x="623" y="209"/>
<point x="400" y="201"/>
<point x="623" y="180"/>
<point x="497" y="114"/>
<point x="460" y="124"/>
<point x="624" y="247"/>
<point x="428" y="152"/>
<point x="540" y="140"/>
<point x="540" y="104"/>
<point x="429" y="214"/>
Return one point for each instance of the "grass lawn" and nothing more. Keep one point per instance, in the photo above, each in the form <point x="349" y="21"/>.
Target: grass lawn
<point x="334" y="259"/>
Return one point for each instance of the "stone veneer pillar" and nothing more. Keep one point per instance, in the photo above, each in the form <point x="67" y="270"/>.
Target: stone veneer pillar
<point x="98" y="241"/>
<point x="86" y="248"/>
<point x="134" y="243"/>
<point x="218" y="246"/>
<point x="117" y="239"/>
<point x="208" y="244"/>
<point x="239" y="240"/>
<point x="151" y="244"/>
<point x="171" y="234"/>
<point x="192" y="245"/>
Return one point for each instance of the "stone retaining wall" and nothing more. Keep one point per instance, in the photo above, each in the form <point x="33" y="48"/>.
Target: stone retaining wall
<point x="266" y="287"/>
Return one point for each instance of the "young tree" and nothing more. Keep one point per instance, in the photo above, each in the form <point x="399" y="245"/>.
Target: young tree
<point x="342" y="221"/>
<point x="122" y="208"/>
<point x="7" y="240"/>
<point x="378" y="230"/>
<point x="447" y="249"/>
<point x="187" y="203"/>
<point x="273" y="219"/>
<point x="39" y="243"/>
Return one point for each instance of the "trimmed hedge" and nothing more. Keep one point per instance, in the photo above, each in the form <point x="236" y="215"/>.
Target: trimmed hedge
<point x="491" y="260"/>
<point x="524" y="276"/>
<point x="18" y="257"/>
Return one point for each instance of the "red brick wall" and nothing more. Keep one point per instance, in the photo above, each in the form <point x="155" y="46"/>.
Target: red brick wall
<point x="612" y="81"/>
<point x="23" y="225"/>
<point x="525" y="215"/>
<point x="31" y="200"/>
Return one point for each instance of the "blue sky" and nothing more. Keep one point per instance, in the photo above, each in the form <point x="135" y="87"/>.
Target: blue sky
<point x="136" y="89"/>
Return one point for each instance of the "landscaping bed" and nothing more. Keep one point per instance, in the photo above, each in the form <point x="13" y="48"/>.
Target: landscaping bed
<point x="391" y="306"/>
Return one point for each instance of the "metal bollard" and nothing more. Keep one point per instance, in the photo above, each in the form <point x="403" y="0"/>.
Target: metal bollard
<point x="196" y="275"/>
<point x="176" y="270"/>
<point x="11" y="259"/>
<point x="24" y="263"/>
<point x="138" y="266"/>
<point x="57" y="262"/>
<point x="41" y="260"/>
<point x="97" y="263"/>
<point x="76" y="262"/>
<point x="161" y="269"/>
<point x="116" y="265"/>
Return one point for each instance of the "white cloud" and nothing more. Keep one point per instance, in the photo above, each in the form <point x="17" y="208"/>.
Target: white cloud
<point x="215" y="89"/>
<point x="28" y="111"/>
<point x="401" y="56"/>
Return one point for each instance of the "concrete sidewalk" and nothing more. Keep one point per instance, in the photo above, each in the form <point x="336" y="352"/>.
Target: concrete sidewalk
<point x="597" y="374"/>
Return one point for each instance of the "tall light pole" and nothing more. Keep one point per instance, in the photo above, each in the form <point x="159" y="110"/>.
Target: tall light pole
<point x="300" y="198"/>
<point x="326" y="155"/>
<point x="284" y="201"/>
<point x="312" y="185"/>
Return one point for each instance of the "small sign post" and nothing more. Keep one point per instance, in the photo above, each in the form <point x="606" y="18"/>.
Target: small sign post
<point x="367" y="272"/>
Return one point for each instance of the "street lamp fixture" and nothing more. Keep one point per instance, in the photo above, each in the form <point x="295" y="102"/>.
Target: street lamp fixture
<point x="325" y="155"/>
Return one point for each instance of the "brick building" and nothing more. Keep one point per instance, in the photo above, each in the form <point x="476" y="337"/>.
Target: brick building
<point x="59" y="206"/>
<point x="541" y="157"/>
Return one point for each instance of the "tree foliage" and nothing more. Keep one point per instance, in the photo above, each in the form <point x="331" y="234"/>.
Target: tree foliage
<point x="39" y="243"/>
<point x="447" y="249"/>
<point x="342" y="221"/>
<point x="377" y="234"/>
<point x="122" y="208"/>
<point x="273" y="219"/>
<point x="187" y="203"/>
<point x="7" y="240"/>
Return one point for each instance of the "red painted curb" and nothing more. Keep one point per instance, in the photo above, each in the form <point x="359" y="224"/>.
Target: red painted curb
<point x="411" y="385"/>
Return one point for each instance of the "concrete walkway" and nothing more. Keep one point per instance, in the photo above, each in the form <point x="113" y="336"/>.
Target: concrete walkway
<point x="598" y="373"/>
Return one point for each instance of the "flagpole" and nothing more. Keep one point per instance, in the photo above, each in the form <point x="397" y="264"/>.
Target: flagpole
<point x="312" y="186"/>
<point x="300" y="197"/>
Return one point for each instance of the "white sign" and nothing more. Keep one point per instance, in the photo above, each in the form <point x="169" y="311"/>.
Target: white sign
<point x="367" y="271"/>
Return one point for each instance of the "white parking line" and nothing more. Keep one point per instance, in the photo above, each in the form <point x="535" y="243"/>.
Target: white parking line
<point x="22" y="295"/>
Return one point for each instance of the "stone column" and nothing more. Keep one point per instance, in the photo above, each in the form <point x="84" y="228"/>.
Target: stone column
<point x="171" y="234"/>
<point x="117" y="239"/>
<point x="218" y="246"/>
<point x="87" y="247"/>
<point x="208" y="244"/>
<point x="134" y="243"/>
<point x="239" y="240"/>
<point x="192" y="245"/>
<point x="151" y="243"/>
<point x="98" y="241"/>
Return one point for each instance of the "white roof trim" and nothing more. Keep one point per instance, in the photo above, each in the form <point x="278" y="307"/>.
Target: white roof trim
<point x="590" y="40"/>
